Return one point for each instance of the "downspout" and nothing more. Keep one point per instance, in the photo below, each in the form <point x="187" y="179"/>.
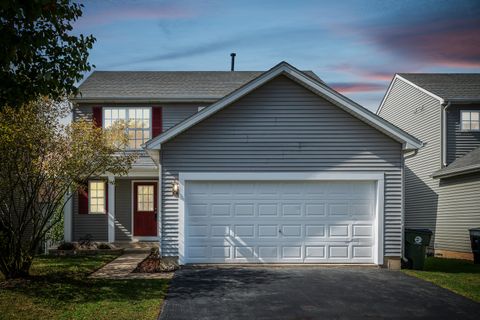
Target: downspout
<point x="443" y="145"/>
<point x="405" y="157"/>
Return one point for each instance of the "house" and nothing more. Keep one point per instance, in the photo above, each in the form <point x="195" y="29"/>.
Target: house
<point x="257" y="167"/>
<point x="442" y="182"/>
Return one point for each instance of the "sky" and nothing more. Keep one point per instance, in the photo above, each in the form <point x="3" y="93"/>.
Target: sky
<point x="355" y="46"/>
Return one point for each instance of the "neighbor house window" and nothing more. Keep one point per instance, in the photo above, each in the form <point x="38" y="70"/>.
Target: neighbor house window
<point x="470" y="120"/>
<point x="96" y="197"/>
<point x="136" y="120"/>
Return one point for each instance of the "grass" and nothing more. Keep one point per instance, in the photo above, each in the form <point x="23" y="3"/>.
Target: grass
<point x="59" y="289"/>
<point x="459" y="276"/>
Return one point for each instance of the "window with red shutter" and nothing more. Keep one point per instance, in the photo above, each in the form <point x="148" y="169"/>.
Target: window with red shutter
<point x="83" y="200"/>
<point x="156" y="121"/>
<point x="97" y="116"/>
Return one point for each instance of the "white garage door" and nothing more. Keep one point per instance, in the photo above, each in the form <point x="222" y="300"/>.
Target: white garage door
<point x="282" y="222"/>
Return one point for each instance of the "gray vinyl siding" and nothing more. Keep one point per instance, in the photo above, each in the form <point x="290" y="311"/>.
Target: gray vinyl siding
<point x="123" y="209"/>
<point x="95" y="225"/>
<point x="459" y="143"/>
<point x="282" y="126"/>
<point x="420" y="115"/>
<point x="459" y="210"/>
<point x="173" y="114"/>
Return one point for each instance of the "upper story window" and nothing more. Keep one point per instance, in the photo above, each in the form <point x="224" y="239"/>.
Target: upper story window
<point x="137" y="121"/>
<point x="470" y="120"/>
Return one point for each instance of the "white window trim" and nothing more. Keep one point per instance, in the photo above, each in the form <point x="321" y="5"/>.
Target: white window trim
<point x="104" y="196"/>
<point x="377" y="176"/>
<point x="127" y="117"/>
<point x="461" y="121"/>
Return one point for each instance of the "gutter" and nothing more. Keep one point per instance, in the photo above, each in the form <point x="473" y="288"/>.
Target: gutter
<point x="443" y="144"/>
<point x="457" y="172"/>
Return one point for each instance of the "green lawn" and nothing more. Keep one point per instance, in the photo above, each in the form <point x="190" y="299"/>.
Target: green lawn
<point x="59" y="289"/>
<point x="460" y="276"/>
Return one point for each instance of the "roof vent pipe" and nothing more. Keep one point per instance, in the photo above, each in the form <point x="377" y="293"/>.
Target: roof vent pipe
<point x="232" y="66"/>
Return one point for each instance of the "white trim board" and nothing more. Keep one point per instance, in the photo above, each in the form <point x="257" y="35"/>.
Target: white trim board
<point x="408" y="142"/>
<point x="377" y="176"/>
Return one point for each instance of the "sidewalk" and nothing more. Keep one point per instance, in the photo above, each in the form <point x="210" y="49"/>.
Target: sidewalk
<point x="122" y="267"/>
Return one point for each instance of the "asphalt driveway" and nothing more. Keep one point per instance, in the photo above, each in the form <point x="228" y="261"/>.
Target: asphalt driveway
<point x="309" y="293"/>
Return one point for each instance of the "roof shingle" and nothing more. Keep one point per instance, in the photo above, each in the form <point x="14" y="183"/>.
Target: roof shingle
<point x="448" y="86"/>
<point x="468" y="163"/>
<point x="164" y="85"/>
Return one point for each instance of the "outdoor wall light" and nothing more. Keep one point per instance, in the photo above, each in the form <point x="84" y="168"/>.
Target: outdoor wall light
<point x="175" y="188"/>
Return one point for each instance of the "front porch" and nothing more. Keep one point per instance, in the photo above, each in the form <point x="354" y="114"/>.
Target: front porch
<point x="131" y="217"/>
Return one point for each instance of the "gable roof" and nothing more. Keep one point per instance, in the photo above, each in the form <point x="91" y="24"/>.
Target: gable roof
<point x="161" y="86"/>
<point x="469" y="163"/>
<point x="311" y="83"/>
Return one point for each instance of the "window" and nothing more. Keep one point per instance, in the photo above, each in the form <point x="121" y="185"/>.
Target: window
<point x="145" y="198"/>
<point x="96" y="197"/>
<point x="136" y="120"/>
<point x="470" y="120"/>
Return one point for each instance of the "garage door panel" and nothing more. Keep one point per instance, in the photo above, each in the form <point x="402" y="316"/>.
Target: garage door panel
<point x="290" y="222"/>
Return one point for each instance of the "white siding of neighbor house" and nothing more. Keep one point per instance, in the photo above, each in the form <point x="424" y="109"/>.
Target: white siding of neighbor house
<point x="449" y="207"/>
<point x="458" y="210"/>
<point x="282" y="126"/>
<point x="419" y="114"/>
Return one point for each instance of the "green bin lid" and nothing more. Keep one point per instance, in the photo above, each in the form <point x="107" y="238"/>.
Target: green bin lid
<point x="425" y="231"/>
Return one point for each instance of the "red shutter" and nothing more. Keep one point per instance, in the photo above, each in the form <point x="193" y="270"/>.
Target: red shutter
<point x="156" y="121"/>
<point x="97" y="116"/>
<point x="83" y="200"/>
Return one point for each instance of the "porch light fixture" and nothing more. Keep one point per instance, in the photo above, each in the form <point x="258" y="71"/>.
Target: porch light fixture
<point x="175" y="188"/>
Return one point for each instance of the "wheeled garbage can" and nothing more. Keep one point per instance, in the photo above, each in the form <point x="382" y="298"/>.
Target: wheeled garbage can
<point x="416" y="243"/>
<point x="475" y="242"/>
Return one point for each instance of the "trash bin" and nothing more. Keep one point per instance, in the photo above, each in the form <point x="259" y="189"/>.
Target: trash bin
<point x="475" y="242"/>
<point x="416" y="243"/>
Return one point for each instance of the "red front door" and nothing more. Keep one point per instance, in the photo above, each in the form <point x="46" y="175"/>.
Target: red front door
<point x="145" y="209"/>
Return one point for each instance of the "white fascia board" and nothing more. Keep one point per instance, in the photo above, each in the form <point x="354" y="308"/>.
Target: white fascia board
<point x="398" y="77"/>
<point x="282" y="176"/>
<point x="390" y="86"/>
<point x="342" y="102"/>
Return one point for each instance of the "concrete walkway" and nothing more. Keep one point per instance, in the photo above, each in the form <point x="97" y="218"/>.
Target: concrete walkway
<point x="122" y="267"/>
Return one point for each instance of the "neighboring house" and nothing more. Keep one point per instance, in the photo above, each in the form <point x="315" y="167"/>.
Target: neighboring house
<point x="255" y="167"/>
<point x="442" y="182"/>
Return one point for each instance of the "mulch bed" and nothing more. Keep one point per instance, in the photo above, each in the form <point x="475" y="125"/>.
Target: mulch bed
<point x="154" y="264"/>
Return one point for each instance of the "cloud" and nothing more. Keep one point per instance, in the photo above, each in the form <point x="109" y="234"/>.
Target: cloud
<point x="447" y="43"/>
<point x="103" y="16"/>
<point x="270" y="36"/>
<point x="349" y="87"/>
<point x="369" y="73"/>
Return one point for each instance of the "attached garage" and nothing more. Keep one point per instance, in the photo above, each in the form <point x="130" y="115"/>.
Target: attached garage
<point x="283" y="218"/>
<point x="282" y="170"/>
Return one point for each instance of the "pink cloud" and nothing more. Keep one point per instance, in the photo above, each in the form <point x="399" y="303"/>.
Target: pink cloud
<point x="372" y="75"/>
<point x="449" y="43"/>
<point x="348" y="87"/>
